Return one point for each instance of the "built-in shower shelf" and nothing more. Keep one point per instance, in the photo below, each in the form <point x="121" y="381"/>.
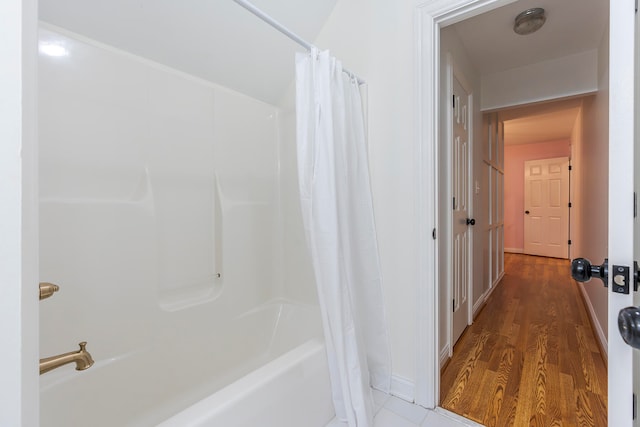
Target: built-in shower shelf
<point x="190" y="295"/>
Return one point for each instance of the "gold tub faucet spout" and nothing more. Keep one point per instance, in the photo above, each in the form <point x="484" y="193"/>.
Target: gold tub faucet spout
<point x="82" y="358"/>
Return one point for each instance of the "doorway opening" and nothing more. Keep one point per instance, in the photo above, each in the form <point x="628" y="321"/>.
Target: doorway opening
<point x="535" y="83"/>
<point x="501" y="346"/>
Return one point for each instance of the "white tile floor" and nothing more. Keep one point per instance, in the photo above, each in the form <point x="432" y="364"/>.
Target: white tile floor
<point x="394" y="412"/>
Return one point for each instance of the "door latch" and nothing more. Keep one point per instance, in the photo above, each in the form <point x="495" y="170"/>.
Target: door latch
<point x="621" y="276"/>
<point x="620" y="279"/>
<point x="582" y="270"/>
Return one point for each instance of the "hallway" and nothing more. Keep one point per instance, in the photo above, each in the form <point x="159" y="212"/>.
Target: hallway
<point x="531" y="357"/>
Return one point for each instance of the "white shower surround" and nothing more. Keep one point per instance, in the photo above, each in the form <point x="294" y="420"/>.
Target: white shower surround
<point x="164" y="200"/>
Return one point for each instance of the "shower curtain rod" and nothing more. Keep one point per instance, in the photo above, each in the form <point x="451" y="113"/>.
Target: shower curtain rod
<point x="284" y="30"/>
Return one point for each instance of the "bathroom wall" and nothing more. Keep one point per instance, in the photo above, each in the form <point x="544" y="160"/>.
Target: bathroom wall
<point x="514" y="157"/>
<point x="159" y="199"/>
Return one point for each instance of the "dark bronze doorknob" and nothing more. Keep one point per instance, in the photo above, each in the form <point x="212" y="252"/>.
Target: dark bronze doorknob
<point x="527" y="212"/>
<point x="629" y="326"/>
<point x="582" y="270"/>
<point x="471" y="221"/>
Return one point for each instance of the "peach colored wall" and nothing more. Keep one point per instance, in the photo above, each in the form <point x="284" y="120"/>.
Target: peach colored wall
<point x="514" y="158"/>
<point x="594" y="177"/>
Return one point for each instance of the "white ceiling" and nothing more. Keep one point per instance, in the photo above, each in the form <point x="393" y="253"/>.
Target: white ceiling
<point x="572" y="26"/>
<point x="216" y="40"/>
<point x="540" y="128"/>
<point x="540" y="123"/>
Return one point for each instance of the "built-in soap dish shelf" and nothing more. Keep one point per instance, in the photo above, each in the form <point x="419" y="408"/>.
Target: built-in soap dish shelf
<point x="191" y="295"/>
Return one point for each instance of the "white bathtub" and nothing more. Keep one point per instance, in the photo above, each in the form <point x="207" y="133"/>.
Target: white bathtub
<point x="265" y="367"/>
<point x="291" y="391"/>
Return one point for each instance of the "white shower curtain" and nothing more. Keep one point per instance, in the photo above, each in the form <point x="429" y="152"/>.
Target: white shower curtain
<point x="337" y="210"/>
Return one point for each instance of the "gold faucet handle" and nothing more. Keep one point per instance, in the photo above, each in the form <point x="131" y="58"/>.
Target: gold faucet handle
<point x="47" y="289"/>
<point x="87" y="361"/>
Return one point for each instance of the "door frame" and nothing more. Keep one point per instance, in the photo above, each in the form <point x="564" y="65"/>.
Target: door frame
<point x="430" y="17"/>
<point x="19" y="389"/>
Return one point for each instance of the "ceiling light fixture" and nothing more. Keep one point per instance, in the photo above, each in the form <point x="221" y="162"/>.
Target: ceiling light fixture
<point x="529" y="21"/>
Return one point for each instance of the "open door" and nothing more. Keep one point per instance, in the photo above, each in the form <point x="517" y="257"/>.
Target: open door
<point x="461" y="221"/>
<point x="636" y="230"/>
<point x="618" y="274"/>
<point x="622" y="78"/>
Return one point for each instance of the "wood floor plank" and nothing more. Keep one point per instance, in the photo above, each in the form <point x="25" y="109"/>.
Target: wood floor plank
<point x="554" y="407"/>
<point x="463" y="376"/>
<point x="483" y="400"/>
<point x="588" y="369"/>
<point x="584" y="412"/>
<point x="530" y="358"/>
<point x="498" y="388"/>
<point x="567" y="400"/>
<point x="507" y="413"/>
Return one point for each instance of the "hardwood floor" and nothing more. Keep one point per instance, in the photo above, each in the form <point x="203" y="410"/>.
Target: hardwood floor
<point x="530" y="358"/>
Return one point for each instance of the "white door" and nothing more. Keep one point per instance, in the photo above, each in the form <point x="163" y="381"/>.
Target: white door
<point x="636" y="231"/>
<point x="622" y="76"/>
<point x="461" y="226"/>
<point x="546" y="207"/>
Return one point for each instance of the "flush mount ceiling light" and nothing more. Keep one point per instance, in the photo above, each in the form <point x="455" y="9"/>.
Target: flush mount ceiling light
<point x="529" y="21"/>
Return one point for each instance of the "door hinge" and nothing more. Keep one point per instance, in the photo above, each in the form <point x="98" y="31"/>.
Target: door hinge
<point x="569" y="241"/>
<point x="569" y="204"/>
<point x="433" y="234"/>
<point x="454" y="203"/>
<point x="453" y="306"/>
<point x="570" y="167"/>
<point x="453" y="103"/>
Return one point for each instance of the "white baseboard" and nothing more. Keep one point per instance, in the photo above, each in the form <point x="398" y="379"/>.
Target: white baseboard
<point x="495" y="282"/>
<point x="514" y="250"/>
<point x="444" y="354"/>
<point x="602" y="338"/>
<point x="480" y="302"/>
<point x="402" y="388"/>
